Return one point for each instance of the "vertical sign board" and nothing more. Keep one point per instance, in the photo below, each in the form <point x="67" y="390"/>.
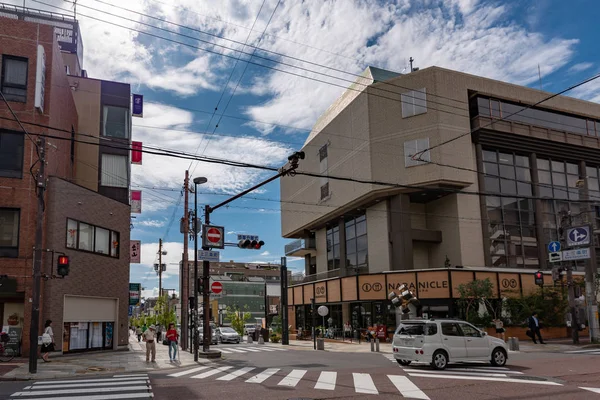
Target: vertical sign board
<point x="136" y="201"/>
<point x="40" y="78"/>
<point x="138" y="105"/>
<point x="135" y="251"/>
<point x="134" y="293"/>
<point x="136" y="153"/>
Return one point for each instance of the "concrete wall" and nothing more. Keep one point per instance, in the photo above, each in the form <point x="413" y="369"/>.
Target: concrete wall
<point x="378" y="238"/>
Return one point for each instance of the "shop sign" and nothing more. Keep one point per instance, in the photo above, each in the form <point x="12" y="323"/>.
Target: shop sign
<point x="433" y="285"/>
<point x="509" y="285"/>
<point x="372" y="287"/>
<point x="395" y="281"/>
<point x="134" y="293"/>
<point x="320" y="291"/>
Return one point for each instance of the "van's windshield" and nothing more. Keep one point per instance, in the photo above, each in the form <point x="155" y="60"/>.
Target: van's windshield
<point x="416" y="329"/>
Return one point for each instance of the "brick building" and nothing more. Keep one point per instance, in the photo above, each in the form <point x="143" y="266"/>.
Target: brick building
<point x="86" y="213"/>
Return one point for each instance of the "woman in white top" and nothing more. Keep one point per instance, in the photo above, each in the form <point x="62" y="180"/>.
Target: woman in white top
<point x="47" y="347"/>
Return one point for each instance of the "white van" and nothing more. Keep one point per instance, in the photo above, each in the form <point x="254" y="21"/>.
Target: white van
<point x="443" y="341"/>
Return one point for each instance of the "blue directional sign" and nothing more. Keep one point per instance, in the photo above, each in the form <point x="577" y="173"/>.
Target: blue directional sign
<point x="579" y="236"/>
<point x="553" y="247"/>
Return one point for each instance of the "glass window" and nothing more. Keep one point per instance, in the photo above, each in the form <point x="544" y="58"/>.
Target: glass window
<point x="489" y="156"/>
<point x="544" y="177"/>
<point x="86" y="237"/>
<point x="572" y="169"/>
<point x="490" y="169"/>
<point x="523" y="174"/>
<point x="522" y="161"/>
<point x="543" y="164"/>
<point x="559" y="179"/>
<point x="495" y="108"/>
<point x="470" y="330"/>
<point x="492" y="184"/>
<point x="414" y="103"/>
<point x="9" y="232"/>
<point x="362" y="257"/>
<point x="114" y="244"/>
<point x="350" y="246"/>
<point x="504" y="158"/>
<point x="593" y="184"/>
<point x="558" y="166"/>
<point x="115" y="171"/>
<point x="71" y="234"/>
<point x="508" y="186"/>
<point x="102" y="241"/>
<point x="591" y="172"/>
<point x="361" y="243"/>
<point x="412" y="147"/>
<point x="507" y="171"/>
<point x="116" y="122"/>
<point x="350" y="230"/>
<point x="14" y="78"/>
<point x="450" y="329"/>
<point x="11" y="154"/>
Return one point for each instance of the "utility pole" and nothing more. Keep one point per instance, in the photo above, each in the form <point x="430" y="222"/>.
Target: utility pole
<point x="205" y="289"/>
<point x="160" y="267"/>
<point x="565" y="222"/>
<point x="284" y="302"/>
<point x="37" y="264"/>
<point x="184" y="264"/>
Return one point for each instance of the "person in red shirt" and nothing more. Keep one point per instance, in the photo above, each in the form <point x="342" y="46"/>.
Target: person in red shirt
<point x="172" y="337"/>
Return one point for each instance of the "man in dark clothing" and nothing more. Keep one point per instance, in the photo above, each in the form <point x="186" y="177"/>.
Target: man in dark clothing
<point x="534" y="326"/>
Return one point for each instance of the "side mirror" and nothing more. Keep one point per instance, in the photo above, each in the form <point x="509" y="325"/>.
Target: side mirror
<point x="483" y="333"/>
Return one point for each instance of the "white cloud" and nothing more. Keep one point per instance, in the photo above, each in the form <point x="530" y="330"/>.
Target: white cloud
<point x="581" y="67"/>
<point x="152" y="223"/>
<point x="265" y="253"/>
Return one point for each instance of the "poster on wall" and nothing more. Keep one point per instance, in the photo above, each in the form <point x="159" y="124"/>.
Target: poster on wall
<point x="134" y="293"/>
<point x="135" y="251"/>
<point x="136" y="201"/>
<point x="136" y="153"/>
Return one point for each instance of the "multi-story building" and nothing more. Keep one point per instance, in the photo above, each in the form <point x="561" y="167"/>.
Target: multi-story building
<point x="86" y="204"/>
<point x="448" y="177"/>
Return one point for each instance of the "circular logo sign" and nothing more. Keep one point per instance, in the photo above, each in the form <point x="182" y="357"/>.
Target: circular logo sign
<point x="376" y="287"/>
<point x="323" y="311"/>
<point x="216" y="287"/>
<point x="213" y="235"/>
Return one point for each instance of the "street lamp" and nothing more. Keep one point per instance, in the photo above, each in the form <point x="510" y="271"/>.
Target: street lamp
<point x="197" y="181"/>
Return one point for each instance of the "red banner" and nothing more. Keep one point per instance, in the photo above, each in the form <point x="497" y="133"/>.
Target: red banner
<point x="136" y="153"/>
<point x="136" y="201"/>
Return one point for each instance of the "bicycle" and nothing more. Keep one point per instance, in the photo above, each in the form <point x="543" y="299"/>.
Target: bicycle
<point x="6" y="353"/>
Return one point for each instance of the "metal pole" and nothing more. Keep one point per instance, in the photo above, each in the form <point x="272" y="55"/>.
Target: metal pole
<point x="196" y="272"/>
<point x="206" y="288"/>
<point x="37" y="263"/>
<point x="159" y="268"/>
<point x="283" y="302"/>
<point x="565" y="222"/>
<point x="266" y="305"/>
<point x="184" y="273"/>
<point x="314" y="323"/>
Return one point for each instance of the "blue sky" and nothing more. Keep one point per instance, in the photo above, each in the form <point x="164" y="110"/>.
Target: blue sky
<point x="182" y="85"/>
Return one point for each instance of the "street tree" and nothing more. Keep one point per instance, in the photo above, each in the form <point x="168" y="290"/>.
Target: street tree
<point x="238" y="318"/>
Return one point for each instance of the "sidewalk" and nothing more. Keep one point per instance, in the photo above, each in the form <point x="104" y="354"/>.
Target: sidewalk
<point x="84" y="364"/>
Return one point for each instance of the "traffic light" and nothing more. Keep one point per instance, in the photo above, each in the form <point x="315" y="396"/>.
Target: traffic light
<point x="556" y="274"/>
<point x="192" y="301"/>
<point x="250" y="244"/>
<point x="539" y="278"/>
<point x="62" y="267"/>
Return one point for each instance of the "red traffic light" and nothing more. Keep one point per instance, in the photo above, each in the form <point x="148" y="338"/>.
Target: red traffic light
<point x="539" y="278"/>
<point x="539" y="275"/>
<point x="258" y="244"/>
<point x="63" y="260"/>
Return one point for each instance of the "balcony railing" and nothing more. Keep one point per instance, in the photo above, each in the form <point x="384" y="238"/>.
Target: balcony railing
<point x="300" y="278"/>
<point x="300" y="247"/>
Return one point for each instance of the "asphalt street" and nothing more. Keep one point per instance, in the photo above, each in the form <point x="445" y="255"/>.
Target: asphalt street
<point x="276" y="372"/>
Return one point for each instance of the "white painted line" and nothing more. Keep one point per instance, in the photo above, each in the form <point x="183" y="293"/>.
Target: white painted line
<point x="263" y="376"/>
<point x="407" y="388"/>
<point x="326" y="380"/>
<point x="187" y="372"/>
<point x="211" y="372"/>
<point x="595" y="390"/>
<point x="76" y="391"/>
<point x="263" y="349"/>
<point x="251" y="349"/>
<point x="90" y="380"/>
<point x="105" y="397"/>
<point x="480" y="378"/>
<point x="235" y="374"/>
<point x="461" y="372"/>
<point x="235" y="350"/>
<point x="364" y="384"/>
<point x="582" y="351"/>
<point x="485" y="365"/>
<point x="490" y="370"/>
<point x="225" y="351"/>
<point x="129" y="376"/>
<point x="95" y="384"/>
<point x="293" y="378"/>
<point x="276" y="348"/>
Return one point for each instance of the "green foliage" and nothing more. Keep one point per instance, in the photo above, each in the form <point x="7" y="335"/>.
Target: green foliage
<point x="276" y="324"/>
<point x="275" y="337"/>
<point x="550" y="303"/>
<point x="238" y="318"/>
<point x="164" y="315"/>
<point x="472" y="295"/>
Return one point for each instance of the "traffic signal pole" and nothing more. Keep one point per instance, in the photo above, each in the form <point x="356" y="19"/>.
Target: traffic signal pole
<point x="205" y="290"/>
<point x="185" y="292"/>
<point x="566" y="222"/>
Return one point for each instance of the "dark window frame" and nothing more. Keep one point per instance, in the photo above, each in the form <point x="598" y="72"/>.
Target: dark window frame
<point x="12" y="251"/>
<point x="93" y="251"/>
<point x="16" y="173"/>
<point x="12" y="85"/>
<point x="127" y="122"/>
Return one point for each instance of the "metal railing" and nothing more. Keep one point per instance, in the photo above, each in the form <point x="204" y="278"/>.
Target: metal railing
<point x="300" y="244"/>
<point x="301" y="278"/>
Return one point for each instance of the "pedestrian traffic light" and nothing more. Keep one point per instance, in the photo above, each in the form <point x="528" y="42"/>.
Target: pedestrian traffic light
<point x="192" y="301"/>
<point x="250" y="244"/>
<point x="62" y="267"/>
<point x="539" y="278"/>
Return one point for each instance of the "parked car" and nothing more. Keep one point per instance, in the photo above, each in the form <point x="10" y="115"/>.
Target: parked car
<point x="213" y="330"/>
<point x="249" y="329"/>
<point x="443" y="341"/>
<point x="228" y="335"/>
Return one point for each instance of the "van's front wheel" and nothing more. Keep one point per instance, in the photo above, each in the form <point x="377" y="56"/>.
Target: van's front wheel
<point x="498" y="357"/>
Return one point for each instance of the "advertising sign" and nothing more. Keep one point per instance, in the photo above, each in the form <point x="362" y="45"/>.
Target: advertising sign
<point x="40" y="78"/>
<point x="134" y="293"/>
<point x="136" y="153"/>
<point x="136" y="201"/>
<point x="138" y="105"/>
<point x="135" y="251"/>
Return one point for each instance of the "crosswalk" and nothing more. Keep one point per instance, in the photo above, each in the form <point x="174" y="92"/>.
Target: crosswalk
<point x="117" y="387"/>
<point x="362" y="383"/>
<point x="586" y="352"/>
<point x="250" y="349"/>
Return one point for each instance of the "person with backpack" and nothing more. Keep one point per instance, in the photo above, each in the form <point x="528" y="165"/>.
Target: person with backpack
<point x="47" y="341"/>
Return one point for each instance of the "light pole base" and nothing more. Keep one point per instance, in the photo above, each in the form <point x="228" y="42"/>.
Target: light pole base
<point x="209" y="354"/>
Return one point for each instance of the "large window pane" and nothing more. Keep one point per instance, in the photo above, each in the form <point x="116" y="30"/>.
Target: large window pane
<point x="492" y="184"/>
<point x="489" y="156"/>
<point x="86" y="237"/>
<point x="559" y="179"/>
<point x="572" y="169"/>
<point x="361" y="228"/>
<point x="350" y="246"/>
<point x="490" y="169"/>
<point x="14" y="78"/>
<point x="543" y="164"/>
<point x="350" y="230"/>
<point x="508" y="186"/>
<point x="9" y="232"/>
<point x="114" y="244"/>
<point x="114" y="171"/>
<point x="11" y="154"/>
<point x="102" y="241"/>
<point x="507" y="171"/>
<point x="558" y="166"/>
<point x="361" y="243"/>
<point x="544" y="177"/>
<point x="71" y="234"/>
<point x="522" y="161"/>
<point x="523" y="174"/>
<point x="505" y="158"/>
<point x="116" y="122"/>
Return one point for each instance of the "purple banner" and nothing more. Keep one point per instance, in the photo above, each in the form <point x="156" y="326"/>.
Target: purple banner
<point x="138" y="105"/>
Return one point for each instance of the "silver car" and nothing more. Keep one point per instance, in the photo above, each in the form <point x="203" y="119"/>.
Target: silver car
<point x="213" y="330"/>
<point x="228" y="335"/>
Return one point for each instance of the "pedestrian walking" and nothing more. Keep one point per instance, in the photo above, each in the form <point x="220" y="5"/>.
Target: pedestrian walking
<point x="534" y="327"/>
<point x="499" y="328"/>
<point x="138" y="332"/>
<point x="150" y="340"/>
<point x="47" y="341"/>
<point x="173" y="338"/>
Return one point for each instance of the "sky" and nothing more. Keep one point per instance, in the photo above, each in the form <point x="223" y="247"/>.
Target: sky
<point x="271" y="67"/>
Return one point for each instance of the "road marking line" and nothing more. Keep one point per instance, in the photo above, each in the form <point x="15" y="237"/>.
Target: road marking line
<point x="90" y="380"/>
<point x="95" y="384"/>
<point x="105" y="397"/>
<point x="235" y="374"/>
<point x="263" y="349"/>
<point x="326" y="380"/>
<point x="293" y="378"/>
<point x="189" y="371"/>
<point x="491" y="370"/>
<point x="235" y="350"/>
<point x="211" y="372"/>
<point x="407" y="388"/>
<point x="480" y="378"/>
<point x="76" y="391"/>
<point x="364" y="384"/>
<point x="251" y="349"/>
<point x="454" y="372"/>
<point x="277" y="348"/>
<point x="581" y="351"/>
<point x="225" y="351"/>
<point x="129" y="376"/>
<point x="595" y="390"/>
<point x="263" y="376"/>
